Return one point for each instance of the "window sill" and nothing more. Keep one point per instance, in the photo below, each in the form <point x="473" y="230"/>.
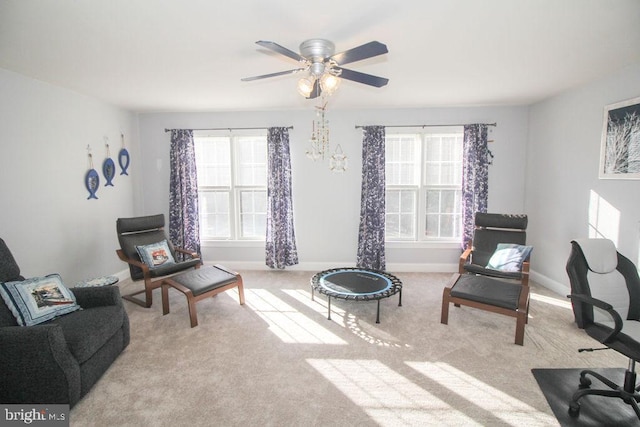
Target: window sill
<point x="423" y="245"/>
<point x="232" y="244"/>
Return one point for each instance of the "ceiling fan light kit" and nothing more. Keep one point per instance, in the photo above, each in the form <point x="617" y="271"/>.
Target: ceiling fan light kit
<point x="324" y="72"/>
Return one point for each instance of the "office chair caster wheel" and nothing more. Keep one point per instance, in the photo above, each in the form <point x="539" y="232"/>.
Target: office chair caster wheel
<point x="574" y="409"/>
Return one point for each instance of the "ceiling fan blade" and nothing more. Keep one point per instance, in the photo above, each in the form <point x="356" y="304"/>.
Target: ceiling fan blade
<point x="367" y="50"/>
<point x="265" y="76"/>
<point x="316" y="91"/>
<point x="359" y="77"/>
<point x="281" y="50"/>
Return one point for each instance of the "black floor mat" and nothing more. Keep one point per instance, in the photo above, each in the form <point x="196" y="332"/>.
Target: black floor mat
<point x="558" y="386"/>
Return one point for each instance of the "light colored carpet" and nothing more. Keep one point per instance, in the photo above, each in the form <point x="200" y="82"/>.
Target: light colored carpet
<point x="278" y="361"/>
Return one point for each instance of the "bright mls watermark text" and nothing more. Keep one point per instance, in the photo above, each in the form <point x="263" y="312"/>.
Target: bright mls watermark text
<point x="34" y="414"/>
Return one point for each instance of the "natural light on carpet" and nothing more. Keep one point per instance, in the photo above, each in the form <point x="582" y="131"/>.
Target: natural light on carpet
<point x="350" y="321"/>
<point x="287" y="323"/>
<point x="386" y="396"/>
<point x="498" y="403"/>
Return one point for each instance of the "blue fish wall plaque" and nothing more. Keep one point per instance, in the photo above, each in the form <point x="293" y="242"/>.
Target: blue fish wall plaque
<point x="123" y="159"/>
<point x="109" y="171"/>
<point x="92" y="182"/>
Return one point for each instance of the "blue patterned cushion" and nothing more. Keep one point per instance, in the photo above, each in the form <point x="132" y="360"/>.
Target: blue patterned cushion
<point x="156" y="254"/>
<point x="38" y="300"/>
<point x="509" y="257"/>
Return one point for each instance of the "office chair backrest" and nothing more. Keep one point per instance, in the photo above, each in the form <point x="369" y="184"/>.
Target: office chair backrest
<point x="140" y="231"/>
<point x="597" y="269"/>
<point x="492" y="229"/>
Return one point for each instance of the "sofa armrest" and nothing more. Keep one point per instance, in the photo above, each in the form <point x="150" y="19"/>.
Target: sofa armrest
<point x="37" y="366"/>
<point x="97" y="296"/>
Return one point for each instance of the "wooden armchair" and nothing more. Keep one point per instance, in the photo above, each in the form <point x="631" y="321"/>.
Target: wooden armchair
<point x="497" y="252"/>
<point x="146" y="236"/>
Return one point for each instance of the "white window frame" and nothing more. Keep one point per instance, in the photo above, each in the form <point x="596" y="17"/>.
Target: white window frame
<point x="420" y="190"/>
<point x="233" y="189"/>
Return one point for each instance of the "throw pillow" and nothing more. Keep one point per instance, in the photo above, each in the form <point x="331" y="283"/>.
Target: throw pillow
<point x="38" y="299"/>
<point x="509" y="257"/>
<point x="156" y="254"/>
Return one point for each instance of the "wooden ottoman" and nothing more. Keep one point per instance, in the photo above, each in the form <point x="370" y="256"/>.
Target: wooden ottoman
<point x="486" y="293"/>
<point x="199" y="284"/>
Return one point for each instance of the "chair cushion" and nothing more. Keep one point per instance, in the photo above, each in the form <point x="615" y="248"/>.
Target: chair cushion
<point x="38" y="299"/>
<point x="86" y="331"/>
<point x="174" y="268"/>
<point x="487" y="291"/>
<point x="478" y="269"/>
<point x="493" y="220"/>
<point x="204" y="279"/>
<point x="156" y="254"/>
<point x="485" y="243"/>
<point x="509" y="257"/>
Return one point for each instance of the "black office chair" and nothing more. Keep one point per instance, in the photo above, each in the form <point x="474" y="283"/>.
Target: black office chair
<point x="605" y="294"/>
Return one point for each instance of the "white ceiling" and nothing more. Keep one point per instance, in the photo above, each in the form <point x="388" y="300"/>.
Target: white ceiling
<point x="189" y="55"/>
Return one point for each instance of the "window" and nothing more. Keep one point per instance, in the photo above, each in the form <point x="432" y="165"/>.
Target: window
<point x="424" y="185"/>
<point x="232" y="185"/>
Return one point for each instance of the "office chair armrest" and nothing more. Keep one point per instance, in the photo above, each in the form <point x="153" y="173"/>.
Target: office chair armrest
<point x="464" y="258"/>
<point x="615" y="316"/>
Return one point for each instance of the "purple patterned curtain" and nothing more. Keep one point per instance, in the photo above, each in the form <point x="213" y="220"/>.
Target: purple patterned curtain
<point x="184" y="226"/>
<point x="372" y="200"/>
<point x="280" y="246"/>
<point x="475" y="177"/>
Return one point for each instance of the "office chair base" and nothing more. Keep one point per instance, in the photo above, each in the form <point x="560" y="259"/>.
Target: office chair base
<point x="629" y="393"/>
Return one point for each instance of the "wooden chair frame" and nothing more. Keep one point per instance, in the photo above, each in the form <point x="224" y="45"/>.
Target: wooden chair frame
<point x="520" y="313"/>
<point x="193" y="299"/>
<point x="149" y="283"/>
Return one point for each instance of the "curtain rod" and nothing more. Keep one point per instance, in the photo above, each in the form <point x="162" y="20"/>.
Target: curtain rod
<point x="229" y="129"/>
<point x="427" y="126"/>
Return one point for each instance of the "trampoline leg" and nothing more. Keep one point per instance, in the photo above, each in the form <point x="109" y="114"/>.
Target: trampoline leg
<point x="329" y="307"/>
<point x="378" y="313"/>
<point x="400" y="298"/>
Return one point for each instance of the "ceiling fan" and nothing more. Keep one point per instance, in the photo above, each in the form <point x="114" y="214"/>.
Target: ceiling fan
<point x="324" y="68"/>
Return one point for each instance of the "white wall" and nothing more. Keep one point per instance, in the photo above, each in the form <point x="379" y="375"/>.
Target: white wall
<point x="562" y="177"/>
<point x="46" y="219"/>
<point x="327" y="205"/>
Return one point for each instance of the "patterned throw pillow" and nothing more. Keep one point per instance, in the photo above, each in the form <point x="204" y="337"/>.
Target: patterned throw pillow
<point x="156" y="254"/>
<point x="38" y="299"/>
<point x="509" y="257"/>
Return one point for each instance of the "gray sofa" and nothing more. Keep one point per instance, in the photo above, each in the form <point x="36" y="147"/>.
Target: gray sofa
<point x="57" y="362"/>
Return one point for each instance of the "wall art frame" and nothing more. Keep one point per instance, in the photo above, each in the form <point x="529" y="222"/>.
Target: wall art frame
<point x="620" y="143"/>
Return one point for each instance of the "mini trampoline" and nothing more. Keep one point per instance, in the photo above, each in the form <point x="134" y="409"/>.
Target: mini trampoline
<point x="357" y="284"/>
